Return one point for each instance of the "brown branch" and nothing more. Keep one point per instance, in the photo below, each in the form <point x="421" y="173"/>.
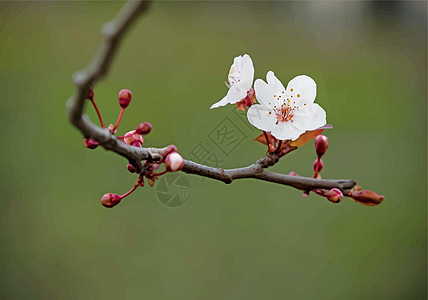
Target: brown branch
<point x="113" y="33"/>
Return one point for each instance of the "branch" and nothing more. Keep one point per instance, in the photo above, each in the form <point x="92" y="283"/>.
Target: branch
<point x="98" y="68"/>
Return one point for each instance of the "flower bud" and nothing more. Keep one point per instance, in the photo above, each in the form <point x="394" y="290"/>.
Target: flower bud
<point x="125" y="98"/>
<point x="169" y="149"/>
<point x="90" y="143"/>
<point x="366" y="197"/>
<point x="292" y="173"/>
<point x="334" y="195"/>
<point x="110" y="200"/>
<point x="174" y="162"/>
<point x="90" y="95"/>
<point x="144" y="128"/>
<point x="321" y="145"/>
<point x="111" y="129"/>
<point x="130" y="168"/>
<point x="318" y="165"/>
<point x="134" y="139"/>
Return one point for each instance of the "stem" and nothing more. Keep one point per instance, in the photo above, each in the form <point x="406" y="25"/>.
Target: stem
<point x="119" y="118"/>
<point x="161" y="173"/>
<point x="279" y="145"/>
<point x="98" y="113"/>
<point x="129" y="192"/>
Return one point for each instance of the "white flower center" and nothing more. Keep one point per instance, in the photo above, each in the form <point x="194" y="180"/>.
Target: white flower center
<point x="284" y="114"/>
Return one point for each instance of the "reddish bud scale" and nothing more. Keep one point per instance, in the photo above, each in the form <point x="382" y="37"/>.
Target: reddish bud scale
<point x="90" y="143"/>
<point x="144" y="128"/>
<point x="125" y="97"/>
<point x="130" y="168"/>
<point x="134" y="139"/>
<point x="321" y="145"/>
<point x="109" y="200"/>
<point x="367" y="197"/>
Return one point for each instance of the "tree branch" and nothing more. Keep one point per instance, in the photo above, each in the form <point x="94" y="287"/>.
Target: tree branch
<point x="98" y="68"/>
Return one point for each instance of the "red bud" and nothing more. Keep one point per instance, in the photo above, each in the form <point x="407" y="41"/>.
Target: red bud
<point x="292" y="173"/>
<point x="134" y="139"/>
<point x="367" y="197"/>
<point x="318" y="165"/>
<point x="335" y="195"/>
<point x="109" y="200"/>
<point x="144" y="128"/>
<point x="130" y="168"/>
<point x="90" y="143"/>
<point x="321" y="145"/>
<point x="125" y="98"/>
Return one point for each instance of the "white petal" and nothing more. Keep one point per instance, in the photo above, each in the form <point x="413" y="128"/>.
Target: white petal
<point x="276" y="85"/>
<point x="237" y="92"/>
<point x="264" y="94"/>
<point x="261" y="117"/>
<point x="310" y="117"/>
<point x="222" y="102"/>
<point x="286" y="131"/>
<point x="302" y="88"/>
<point x="247" y="70"/>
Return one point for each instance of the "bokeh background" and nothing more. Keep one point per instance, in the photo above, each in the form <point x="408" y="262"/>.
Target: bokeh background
<point x="248" y="240"/>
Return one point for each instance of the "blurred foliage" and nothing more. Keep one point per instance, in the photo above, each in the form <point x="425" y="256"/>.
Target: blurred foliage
<point x="248" y="240"/>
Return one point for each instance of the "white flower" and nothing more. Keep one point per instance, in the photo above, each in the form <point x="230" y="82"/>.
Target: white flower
<point x="286" y="113"/>
<point x="239" y="81"/>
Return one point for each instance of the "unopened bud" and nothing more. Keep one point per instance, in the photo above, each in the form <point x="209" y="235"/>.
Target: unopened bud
<point x="109" y="200"/>
<point x="318" y="165"/>
<point x="367" y="197"/>
<point x="90" y="143"/>
<point x="90" y="95"/>
<point x="130" y="168"/>
<point x="292" y="173"/>
<point x="111" y="129"/>
<point x="125" y="98"/>
<point x="174" y="162"/>
<point x="134" y="139"/>
<point x="321" y="145"/>
<point x="335" y="195"/>
<point x="169" y="149"/>
<point x="144" y="128"/>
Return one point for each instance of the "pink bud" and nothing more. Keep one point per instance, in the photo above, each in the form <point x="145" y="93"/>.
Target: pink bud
<point x="292" y="173"/>
<point x="90" y="143"/>
<point x="366" y="197"/>
<point x="111" y="129"/>
<point x="318" y="165"/>
<point x="174" y="162"/>
<point x="90" y="95"/>
<point x="334" y="195"/>
<point x="130" y="168"/>
<point x="144" y="128"/>
<point x="321" y="145"/>
<point x="110" y="200"/>
<point x="169" y="149"/>
<point x="134" y="139"/>
<point x="125" y="98"/>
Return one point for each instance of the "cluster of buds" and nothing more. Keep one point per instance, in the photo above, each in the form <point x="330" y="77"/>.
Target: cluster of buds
<point x="172" y="160"/>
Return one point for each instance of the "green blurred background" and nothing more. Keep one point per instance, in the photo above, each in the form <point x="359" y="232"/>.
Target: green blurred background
<point x="248" y="240"/>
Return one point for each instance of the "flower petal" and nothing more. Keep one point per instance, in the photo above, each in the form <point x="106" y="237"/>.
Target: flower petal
<point x="237" y="92"/>
<point x="302" y="88"/>
<point x="276" y="86"/>
<point x="286" y="131"/>
<point x="222" y="102"/>
<point x="247" y="70"/>
<point x="261" y="117"/>
<point x="310" y="117"/>
<point x="264" y="94"/>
